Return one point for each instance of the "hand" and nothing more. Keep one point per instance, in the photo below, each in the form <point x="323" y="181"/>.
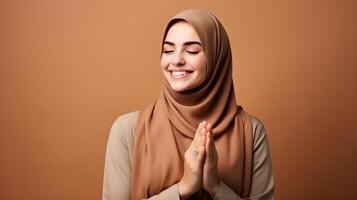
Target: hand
<point x="210" y="176"/>
<point x="191" y="180"/>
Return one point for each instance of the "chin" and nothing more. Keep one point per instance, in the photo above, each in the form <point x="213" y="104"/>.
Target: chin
<point x="179" y="88"/>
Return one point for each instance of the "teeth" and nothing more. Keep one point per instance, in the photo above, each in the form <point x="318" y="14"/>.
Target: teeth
<point x="178" y="73"/>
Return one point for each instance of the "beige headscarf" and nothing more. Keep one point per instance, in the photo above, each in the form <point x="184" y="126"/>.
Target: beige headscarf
<point x="166" y="128"/>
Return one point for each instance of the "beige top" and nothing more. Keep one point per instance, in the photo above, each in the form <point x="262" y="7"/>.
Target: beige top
<point x="117" y="169"/>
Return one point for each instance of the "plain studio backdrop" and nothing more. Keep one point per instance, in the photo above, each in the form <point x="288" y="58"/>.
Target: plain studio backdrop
<point x="68" y="68"/>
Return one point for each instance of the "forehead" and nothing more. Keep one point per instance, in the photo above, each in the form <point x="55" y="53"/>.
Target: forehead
<point x="181" y="32"/>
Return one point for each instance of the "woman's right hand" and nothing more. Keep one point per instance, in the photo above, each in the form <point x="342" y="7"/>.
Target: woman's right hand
<point x="191" y="180"/>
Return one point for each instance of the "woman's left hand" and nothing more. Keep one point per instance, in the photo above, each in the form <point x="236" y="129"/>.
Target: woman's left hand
<point x="211" y="179"/>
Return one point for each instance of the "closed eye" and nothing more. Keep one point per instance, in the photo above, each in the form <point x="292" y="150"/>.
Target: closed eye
<point x="193" y="52"/>
<point x="167" y="51"/>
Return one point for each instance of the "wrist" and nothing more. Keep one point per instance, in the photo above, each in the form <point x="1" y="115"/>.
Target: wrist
<point x="214" y="189"/>
<point x="183" y="190"/>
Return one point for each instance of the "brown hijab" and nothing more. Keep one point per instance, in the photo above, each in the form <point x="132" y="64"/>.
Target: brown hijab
<point x="166" y="128"/>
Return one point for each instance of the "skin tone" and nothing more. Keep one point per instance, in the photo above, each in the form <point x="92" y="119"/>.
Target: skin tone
<point x="183" y="62"/>
<point x="184" y="66"/>
<point x="200" y="167"/>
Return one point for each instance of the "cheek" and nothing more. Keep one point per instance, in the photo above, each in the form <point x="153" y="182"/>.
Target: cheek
<point x="164" y="62"/>
<point x="201" y="67"/>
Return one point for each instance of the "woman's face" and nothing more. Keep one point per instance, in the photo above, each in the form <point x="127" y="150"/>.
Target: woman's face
<point x="183" y="61"/>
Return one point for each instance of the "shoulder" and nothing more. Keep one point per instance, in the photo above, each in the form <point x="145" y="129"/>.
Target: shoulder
<point x="127" y="120"/>
<point x="258" y="130"/>
<point x="257" y="124"/>
<point x="259" y="133"/>
<point x="123" y="127"/>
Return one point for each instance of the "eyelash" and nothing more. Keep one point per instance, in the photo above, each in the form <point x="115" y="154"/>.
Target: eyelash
<point x="190" y="52"/>
<point x="193" y="52"/>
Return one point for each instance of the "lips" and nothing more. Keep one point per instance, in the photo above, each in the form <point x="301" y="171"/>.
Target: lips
<point x="180" y="74"/>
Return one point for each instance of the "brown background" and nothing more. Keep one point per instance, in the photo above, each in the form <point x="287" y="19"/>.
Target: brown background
<point x="69" y="68"/>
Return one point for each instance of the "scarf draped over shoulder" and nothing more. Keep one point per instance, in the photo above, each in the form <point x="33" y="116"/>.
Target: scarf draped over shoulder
<point x="166" y="128"/>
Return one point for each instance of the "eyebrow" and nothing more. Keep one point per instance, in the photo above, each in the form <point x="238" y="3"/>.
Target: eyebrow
<point x="185" y="44"/>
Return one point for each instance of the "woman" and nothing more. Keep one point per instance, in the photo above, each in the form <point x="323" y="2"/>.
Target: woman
<point x="193" y="142"/>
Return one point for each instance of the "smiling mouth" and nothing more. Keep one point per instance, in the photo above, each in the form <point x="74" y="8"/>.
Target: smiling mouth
<point x="177" y="75"/>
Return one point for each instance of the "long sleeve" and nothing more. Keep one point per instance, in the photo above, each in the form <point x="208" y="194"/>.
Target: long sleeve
<point x="263" y="181"/>
<point x="117" y="167"/>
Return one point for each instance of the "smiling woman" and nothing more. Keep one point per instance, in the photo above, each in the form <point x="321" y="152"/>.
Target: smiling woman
<point x="194" y="141"/>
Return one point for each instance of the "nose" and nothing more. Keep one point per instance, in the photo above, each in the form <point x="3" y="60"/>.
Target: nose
<point x="178" y="60"/>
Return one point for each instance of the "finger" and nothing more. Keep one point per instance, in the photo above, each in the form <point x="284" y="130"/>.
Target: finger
<point x="196" y="147"/>
<point x="199" y="151"/>
<point x="201" y="142"/>
<point x="201" y="155"/>
<point x="203" y="128"/>
<point x="209" y="137"/>
<point x="209" y="127"/>
<point x="202" y="138"/>
<point x="198" y="131"/>
<point x="213" y="147"/>
<point x="208" y="145"/>
<point x="203" y="131"/>
<point x="198" y="135"/>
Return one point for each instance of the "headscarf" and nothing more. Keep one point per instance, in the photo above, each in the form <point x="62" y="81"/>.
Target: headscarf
<point x="166" y="128"/>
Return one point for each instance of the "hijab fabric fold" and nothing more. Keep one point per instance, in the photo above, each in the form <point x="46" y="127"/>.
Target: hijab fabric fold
<point x="166" y="128"/>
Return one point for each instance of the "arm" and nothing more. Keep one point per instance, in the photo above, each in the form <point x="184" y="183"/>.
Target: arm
<point x="117" y="167"/>
<point x="263" y="182"/>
